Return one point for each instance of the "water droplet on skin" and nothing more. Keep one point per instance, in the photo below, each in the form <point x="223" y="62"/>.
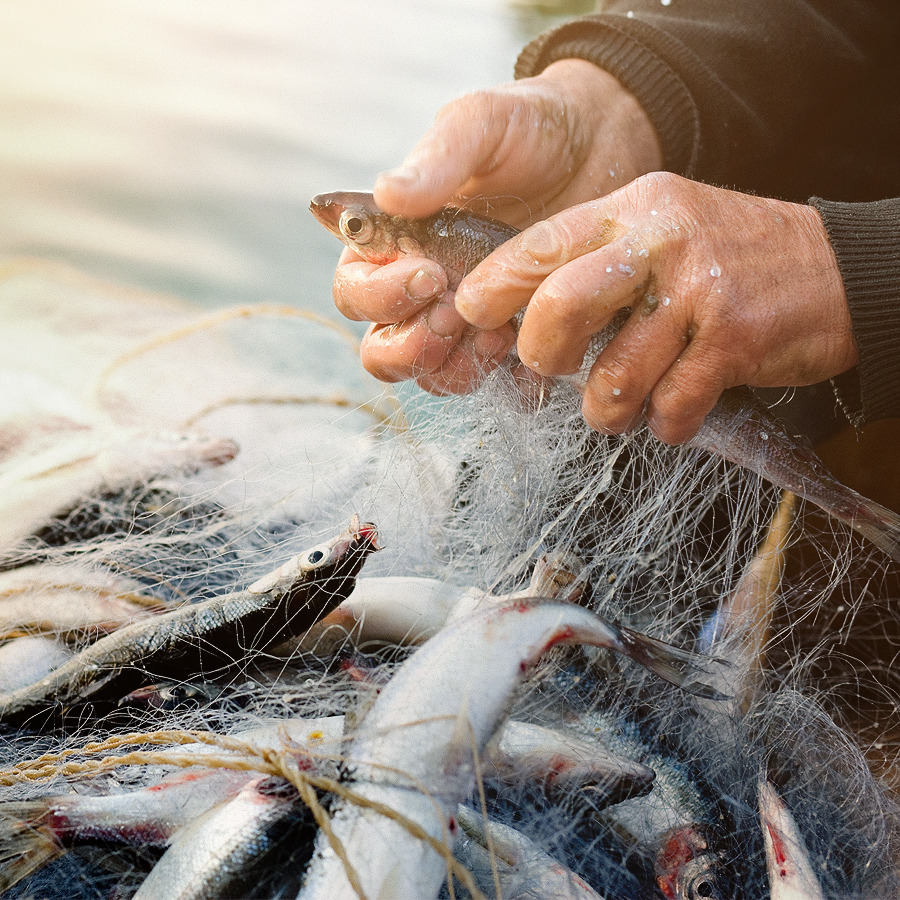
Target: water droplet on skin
<point x="665" y="2"/>
<point x="628" y="252"/>
<point x="715" y="271"/>
<point x="616" y="392"/>
<point x="612" y="173"/>
<point x="609" y="269"/>
<point x="667" y="301"/>
<point x="643" y="252"/>
<point x="653" y="212"/>
<point x="629" y="14"/>
<point x="627" y="270"/>
<point x="764" y="435"/>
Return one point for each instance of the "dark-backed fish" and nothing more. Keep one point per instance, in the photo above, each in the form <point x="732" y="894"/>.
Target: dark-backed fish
<point x="738" y="429"/>
<point x="206" y="638"/>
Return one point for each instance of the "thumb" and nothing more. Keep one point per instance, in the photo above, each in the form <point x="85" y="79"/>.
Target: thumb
<point x="465" y="136"/>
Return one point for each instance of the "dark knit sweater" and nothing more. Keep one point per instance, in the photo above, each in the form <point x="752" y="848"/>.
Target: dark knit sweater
<point x="784" y="98"/>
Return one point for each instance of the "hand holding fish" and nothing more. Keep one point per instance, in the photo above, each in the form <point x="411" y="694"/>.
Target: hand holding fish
<point x="725" y="289"/>
<point x="533" y="147"/>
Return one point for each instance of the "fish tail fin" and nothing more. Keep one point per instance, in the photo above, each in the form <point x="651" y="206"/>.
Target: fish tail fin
<point x="679" y="667"/>
<point x="878" y="524"/>
<point x="25" y="844"/>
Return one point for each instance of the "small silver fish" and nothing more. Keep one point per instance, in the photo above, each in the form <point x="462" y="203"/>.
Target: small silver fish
<point x="216" y="633"/>
<point x="416" y="747"/>
<point x="525" y="871"/>
<point x="406" y="609"/>
<point x="212" y="856"/>
<point x="564" y="763"/>
<point x="456" y="238"/>
<point x="738" y="429"/>
<point x="791" y="875"/>
<point x="34" y="832"/>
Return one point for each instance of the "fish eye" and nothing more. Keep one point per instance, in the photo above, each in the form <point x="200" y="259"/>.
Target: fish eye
<point x="356" y="226"/>
<point x="315" y="556"/>
<point x="702" y="888"/>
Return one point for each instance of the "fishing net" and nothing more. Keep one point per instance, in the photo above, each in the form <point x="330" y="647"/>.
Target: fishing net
<point x="468" y="491"/>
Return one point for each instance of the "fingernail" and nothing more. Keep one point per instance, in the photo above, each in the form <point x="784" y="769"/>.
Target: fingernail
<point x="443" y="319"/>
<point x="408" y="174"/>
<point x="469" y="301"/>
<point x="490" y="344"/>
<point x="423" y="285"/>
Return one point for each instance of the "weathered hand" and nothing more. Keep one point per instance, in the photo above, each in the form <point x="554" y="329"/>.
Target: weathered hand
<point x="725" y="289"/>
<point x="531" y="148"/>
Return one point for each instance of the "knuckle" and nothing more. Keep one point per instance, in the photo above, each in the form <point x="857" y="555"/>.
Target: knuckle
<point x="543" y="246"/>
<point x="558" y="301"/>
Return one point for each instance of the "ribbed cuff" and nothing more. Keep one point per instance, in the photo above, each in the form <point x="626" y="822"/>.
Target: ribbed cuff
<point x="613" y="43"/>
<point x="866" y="242"/>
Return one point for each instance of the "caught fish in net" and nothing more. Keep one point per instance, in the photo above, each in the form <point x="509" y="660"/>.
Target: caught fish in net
<point x="290" y="635"/>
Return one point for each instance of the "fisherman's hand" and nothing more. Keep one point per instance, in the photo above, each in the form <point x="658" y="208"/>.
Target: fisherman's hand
<point x="724" y="288"/>
<point x="527" y="149"/>
<point x="417" y="332"/>
<point x="532" y="147"/>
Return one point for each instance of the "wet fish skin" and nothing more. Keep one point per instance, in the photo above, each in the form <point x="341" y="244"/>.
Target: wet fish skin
<point x="564" y="764"/>
<point x="215" y="634"/>
<point x="456" y="238"/>
<point x="212" y="857"/>
<point x="415" y="749"/>
<point x="406" y="609"/>
<point x="791" y="875"/>
<point x="525" y="871"/>
<point x="686" y="867"/>
<point x="740" y="430"/>
<point x="733" y="430"/>
<point x="34" y="832"/>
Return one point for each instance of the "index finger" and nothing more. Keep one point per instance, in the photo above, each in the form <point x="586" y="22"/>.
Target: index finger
<point x="495" y="290"/>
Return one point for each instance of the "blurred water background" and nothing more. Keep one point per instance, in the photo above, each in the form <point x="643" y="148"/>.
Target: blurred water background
<point x="175" y="144"/>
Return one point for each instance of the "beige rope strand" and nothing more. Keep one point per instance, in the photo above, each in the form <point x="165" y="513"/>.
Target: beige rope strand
<point x="207" y="322"/>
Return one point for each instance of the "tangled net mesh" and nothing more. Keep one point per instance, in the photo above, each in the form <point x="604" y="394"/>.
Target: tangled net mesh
<point x="469" y="491"/>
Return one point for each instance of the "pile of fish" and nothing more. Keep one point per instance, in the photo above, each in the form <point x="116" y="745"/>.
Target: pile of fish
<point x="404" y="774"/>
<point x="191" y="708"/>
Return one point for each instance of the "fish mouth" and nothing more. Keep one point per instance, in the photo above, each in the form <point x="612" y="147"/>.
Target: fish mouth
<point x="361" y="538"/>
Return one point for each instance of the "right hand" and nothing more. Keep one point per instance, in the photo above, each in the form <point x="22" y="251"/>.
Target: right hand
<point x="519" y="152"/>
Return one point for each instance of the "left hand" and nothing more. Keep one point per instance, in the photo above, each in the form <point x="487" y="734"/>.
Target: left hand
<point x="725" y="289"/>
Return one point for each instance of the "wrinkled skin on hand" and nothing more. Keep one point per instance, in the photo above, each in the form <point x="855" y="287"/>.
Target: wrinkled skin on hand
<point x="535" y="146"/>
<point x="725" y="289"/>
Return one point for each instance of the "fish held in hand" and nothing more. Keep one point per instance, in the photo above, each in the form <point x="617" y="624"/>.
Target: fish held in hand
<point x="456" y="238"/>
<point x="738" y="429"/>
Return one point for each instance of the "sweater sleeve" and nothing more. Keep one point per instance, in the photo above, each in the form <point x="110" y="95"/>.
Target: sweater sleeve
<point x="748" y="93"/>
<point x="866" y="241"/>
